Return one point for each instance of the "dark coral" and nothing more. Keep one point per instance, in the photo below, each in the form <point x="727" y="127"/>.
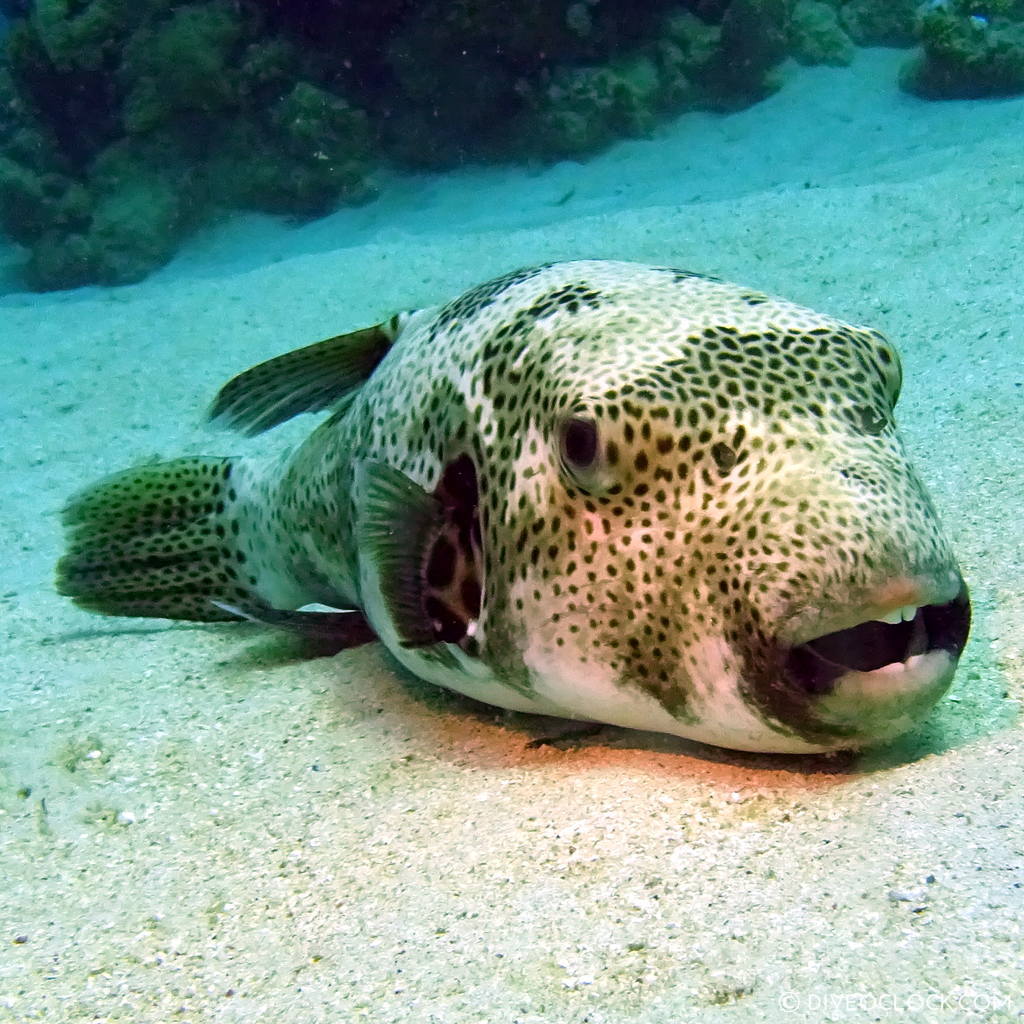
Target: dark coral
<point x="969" y="49"/>
<point x="456" y="76"/>
<point x="754" y="40"/>
<point x="817" y="36"/>
<point x="881" y="22"/>
<point x="577" y="108"/>
<point x="124" y="125"/>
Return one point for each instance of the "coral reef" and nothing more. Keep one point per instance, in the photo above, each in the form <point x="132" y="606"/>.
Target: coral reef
<point x="124" y="126"/>
<point x="880" y="22"/>
<point x="498" y="69"/>
<point x="181" y="64"/>
<point x="969" y="49"/>
<point x="816" y="35"/>
<point x="753" y="41"/>
<point x="576" y="109"/>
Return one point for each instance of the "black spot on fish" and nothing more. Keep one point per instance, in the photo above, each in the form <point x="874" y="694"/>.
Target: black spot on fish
<point x="570" y="297"/>
<point x="724" y="456"/>
<point x="470" y="303"/>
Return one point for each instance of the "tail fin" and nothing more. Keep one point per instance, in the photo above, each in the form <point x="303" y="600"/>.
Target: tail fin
<point x="157" y="541"/>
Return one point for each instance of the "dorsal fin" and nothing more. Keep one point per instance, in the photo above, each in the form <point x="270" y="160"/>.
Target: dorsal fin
<point x="306" y="380"/>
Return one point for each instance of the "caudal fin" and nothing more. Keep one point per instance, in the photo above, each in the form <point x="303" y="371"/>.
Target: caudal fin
<point x="157" y="541"/>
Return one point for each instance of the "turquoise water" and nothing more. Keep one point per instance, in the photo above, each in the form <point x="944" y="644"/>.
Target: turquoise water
<point x="202" y="822"/>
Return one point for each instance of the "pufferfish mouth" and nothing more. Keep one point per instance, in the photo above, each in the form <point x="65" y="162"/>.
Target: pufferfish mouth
<point x="815" y="665"/>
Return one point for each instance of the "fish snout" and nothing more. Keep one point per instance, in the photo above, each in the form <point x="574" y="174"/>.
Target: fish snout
<point x="880" y="671"/>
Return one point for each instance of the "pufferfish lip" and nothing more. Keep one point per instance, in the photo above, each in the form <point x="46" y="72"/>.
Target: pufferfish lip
<point x="815" y="665"/>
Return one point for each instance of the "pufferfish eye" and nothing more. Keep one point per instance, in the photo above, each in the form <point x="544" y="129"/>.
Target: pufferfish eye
<point x="579" y="444"/>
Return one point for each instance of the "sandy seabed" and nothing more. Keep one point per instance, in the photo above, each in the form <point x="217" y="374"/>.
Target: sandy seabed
<point x="200" y="824"/>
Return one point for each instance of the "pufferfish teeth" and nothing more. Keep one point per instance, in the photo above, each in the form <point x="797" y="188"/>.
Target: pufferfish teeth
<point x="905" y="614"/>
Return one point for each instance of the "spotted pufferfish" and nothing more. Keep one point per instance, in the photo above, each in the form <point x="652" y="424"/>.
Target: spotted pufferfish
<point x="596" y="490"/>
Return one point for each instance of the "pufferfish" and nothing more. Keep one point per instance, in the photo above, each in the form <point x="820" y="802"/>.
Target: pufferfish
<point x="597" y="490"/>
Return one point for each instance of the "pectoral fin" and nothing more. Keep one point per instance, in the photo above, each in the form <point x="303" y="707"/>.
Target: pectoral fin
<point x="307" y="380"/>
<point x="398" y="521"/>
